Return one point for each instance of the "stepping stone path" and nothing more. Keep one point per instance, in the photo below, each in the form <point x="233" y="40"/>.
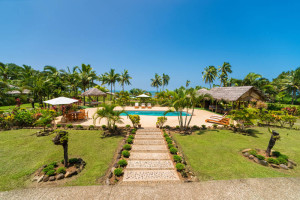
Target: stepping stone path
<point x="149" y="159"/>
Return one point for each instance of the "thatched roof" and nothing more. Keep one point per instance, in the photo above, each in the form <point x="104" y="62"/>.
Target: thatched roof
<point x="17" y="90"/>
<point x="93" y="92"/>
<point x="242" y="93"/>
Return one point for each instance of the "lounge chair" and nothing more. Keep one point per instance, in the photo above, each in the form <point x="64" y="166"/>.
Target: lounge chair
<point x="222" y="120"/>
<point x="218" y="116"/>
<point x="136" y="105"/>
<point x="149" y="105"/>
<point x="143" y="105"/>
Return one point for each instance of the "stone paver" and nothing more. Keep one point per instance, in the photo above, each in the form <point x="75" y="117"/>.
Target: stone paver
<point x="239" y="189"/>
<point x="149" y="160"/>
<point x="150" y="175"/>
<point x="146" y="142"/>
<point x="149" y="148"/>
<point x="150" y="164"/>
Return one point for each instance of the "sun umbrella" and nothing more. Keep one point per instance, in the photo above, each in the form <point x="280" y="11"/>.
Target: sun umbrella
<point x="61" y="101"/>
<point x="142" y="96"/>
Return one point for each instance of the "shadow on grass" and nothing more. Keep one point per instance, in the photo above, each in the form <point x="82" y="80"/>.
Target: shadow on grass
<point x="201" y="132"/>
<point x="252" y="133"/>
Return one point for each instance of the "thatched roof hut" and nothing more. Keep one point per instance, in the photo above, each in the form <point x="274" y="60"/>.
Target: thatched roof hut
<point x="17" y="90"/>
<point x="94" y="92"/>
<point x="242" y="93"/>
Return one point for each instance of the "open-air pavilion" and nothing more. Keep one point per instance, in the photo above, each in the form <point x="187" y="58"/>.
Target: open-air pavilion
<point x="234" y="96"/>
<point x="96" y="93"/>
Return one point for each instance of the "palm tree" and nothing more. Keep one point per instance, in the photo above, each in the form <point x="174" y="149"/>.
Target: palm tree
<point x="209" y="75"/>
<point x="165" y="80"/>
<point x="125" y="79"/>
<point x="224" y="70"/>
<point x="187" y="83"/>
<point x="291" y="83"/>
<point x="72" y="78"/>
<point x="112" y="116"/>
<point x="86" y="75"/>
<point x="111" y="78"/>
<point x="156" y="81"/>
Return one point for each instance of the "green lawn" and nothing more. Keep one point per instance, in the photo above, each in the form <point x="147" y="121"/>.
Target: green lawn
<point x="23" y="153"/>
<point x="216" y="154"/>
<point x="27" y="105"/>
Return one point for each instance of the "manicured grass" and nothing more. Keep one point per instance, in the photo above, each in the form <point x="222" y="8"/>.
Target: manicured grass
<point x="22" y="153"/>
<point x="216" y="154"/>
<point x="27" y="105"/>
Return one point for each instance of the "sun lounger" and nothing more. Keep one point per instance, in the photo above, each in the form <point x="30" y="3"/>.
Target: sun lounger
<point x="218" y="116"/>
<point x="143" y="105"/>
<point x="222" y="121"/>
<point x="136" y="105"/>
<point x="149" y="105"/>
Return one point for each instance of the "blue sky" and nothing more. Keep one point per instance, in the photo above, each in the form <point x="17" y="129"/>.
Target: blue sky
<point x="177" y="37"/>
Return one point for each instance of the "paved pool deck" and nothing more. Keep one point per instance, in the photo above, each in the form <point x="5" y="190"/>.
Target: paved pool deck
<point x="198" y="118"/>
<point x="248" y="189"/>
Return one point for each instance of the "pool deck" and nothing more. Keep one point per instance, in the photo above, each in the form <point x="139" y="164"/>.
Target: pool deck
<point x="198" y="119"/>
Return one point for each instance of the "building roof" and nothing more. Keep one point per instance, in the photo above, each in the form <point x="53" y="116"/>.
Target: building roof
<point x="241" y="93"/>
<point x="93" y="92"/>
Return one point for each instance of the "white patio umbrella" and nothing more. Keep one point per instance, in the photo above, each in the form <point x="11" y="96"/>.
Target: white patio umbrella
<point x="61" y="101"/>
<point x="142" y="96"/>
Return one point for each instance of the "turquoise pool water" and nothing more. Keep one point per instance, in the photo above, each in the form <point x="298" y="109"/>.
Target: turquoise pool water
<point x="152" y="113"/>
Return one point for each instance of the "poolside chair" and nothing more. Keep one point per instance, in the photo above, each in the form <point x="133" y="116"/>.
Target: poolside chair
<point x="149" y="105"/>
<point x="218" y="116"/>
<point x="143" y="105"/>
<point x="81" y="116"/>
<point x="222" y="120"/>
<point x="136" y="105"/>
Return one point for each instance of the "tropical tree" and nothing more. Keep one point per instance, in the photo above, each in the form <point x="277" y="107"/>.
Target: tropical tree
<point x="165" y="80"/>
<point x="291" y="83"/>
<point x="156" y="81"/>
<point x="209" y="75"/>
<point x="187" y="83"/>
<point x="86" y="75"/>
<point x="111" y="78"/>
<point x="112" y="116"/>
<point x="72" y="78"/>
<point x="125" y="79"/>
<point x="224" y="70"/>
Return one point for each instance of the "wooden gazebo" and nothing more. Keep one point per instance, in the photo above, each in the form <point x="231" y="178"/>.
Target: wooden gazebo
<point x="96" y="93"/>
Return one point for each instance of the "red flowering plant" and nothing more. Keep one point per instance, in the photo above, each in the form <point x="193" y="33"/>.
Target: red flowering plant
<point x="18" y="102"/>
<point x="290" y="110"/>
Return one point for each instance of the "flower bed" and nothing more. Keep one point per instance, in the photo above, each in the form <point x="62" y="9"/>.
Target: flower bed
<point x="56" y="171"/>
<point x="276" y="160"/>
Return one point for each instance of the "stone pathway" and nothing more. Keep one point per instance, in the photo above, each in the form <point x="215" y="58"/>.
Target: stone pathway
<point x="149" y="159"/>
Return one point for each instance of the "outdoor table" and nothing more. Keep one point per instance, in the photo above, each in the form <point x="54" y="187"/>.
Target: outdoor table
<point x="75" y="113"/>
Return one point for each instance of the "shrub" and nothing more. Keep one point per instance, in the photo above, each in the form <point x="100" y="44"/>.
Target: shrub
<point x="91" y="127"/>
<point x="173" y="150"/>
<point x="177" y="158"/>
<point x="273" y="160"/>
<point x="126" y="153"/>
<point x="276" y="153"/>
<point x="131" y="137"/>
<point x="58" y="125"/>
<point x="69" y="126"/>
<point x="54" y="164"/>
<point x="127" y="126"/>
<point x="180" y="167"/>
<point x="170" y="146"/>
<point x="215" y="126"/>
<point x="129" y="141"/>
<point x="252" y="152"/>
<point x="127" y="147"/>
<point x="61" y="170"/>
<point x="161" y="121"/>
<point x="167" y="127"/>
<point x="118" y="172"/>
<point x="167" y="138"/>
<point x="281" y="160"/>
<point x="51" y="172"/>
<point x="79" y="126"/>
<point x="48" y="168"/>
<point x="135" y="120"/>
<point x="73" y="160"/>
<point x="177" y="127"/>
<point x="49" y="125"/>
<point x="122" y="163"/>
<point x="169" y="141"/>
<point x="260" y="157"/>
<point x="284" y="156"/>
<point x="133" y="131"/>
<point x="166" y="135"/>
<point x="103" y="126"/>
<point x="203" y="126"/>
<point x="195" y="127"/>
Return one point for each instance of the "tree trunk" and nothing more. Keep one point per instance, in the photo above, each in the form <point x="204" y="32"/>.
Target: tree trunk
<point x="274" y="137"/>
<point x="111" y="91"/>
<point x="84" y="96"/>
<point x="66" y="159"/>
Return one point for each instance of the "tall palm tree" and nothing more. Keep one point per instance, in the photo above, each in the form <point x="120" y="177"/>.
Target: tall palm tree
<point x="72" y="78"/>
<point x="111" y="78"/>
<point x="125" y="79"/>
<point x="291" y="83"/>
<point x="86" y="75"/>
<point x="187" y="83"/>
<point x="209" y="75"/>
<point x="165" y="80"/>
<point x="251" y="79"/>
<point x="156" y="81"/>
<point x="224" y="70"/>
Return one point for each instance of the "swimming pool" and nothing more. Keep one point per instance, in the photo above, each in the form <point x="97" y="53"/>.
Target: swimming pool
<point x="152" y="113"/>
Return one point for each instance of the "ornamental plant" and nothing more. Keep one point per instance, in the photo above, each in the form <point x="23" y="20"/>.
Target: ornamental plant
<point x="135" y="120"/>
<point x="180" y="167"/>
<point x="173" y="150"/>
<point x="127" y="147"/>
<point x="122" y="163"/>
<point x="161" y="121"/>
<point x="62" y="138"/>
<point x="125" y="153"/>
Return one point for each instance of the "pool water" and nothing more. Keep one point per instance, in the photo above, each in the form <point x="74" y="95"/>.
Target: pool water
<point x="152" y="113"/>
